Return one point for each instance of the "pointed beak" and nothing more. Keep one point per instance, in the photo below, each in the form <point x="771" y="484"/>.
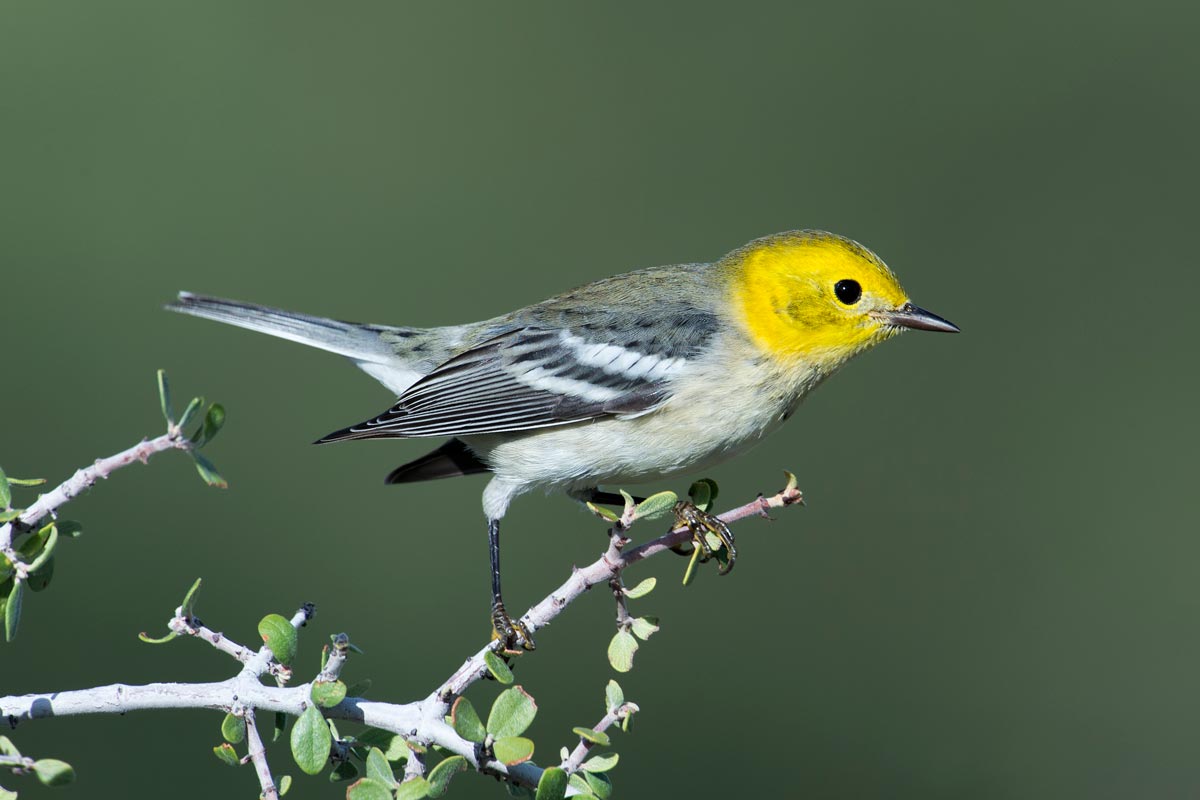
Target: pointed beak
<point x="910" y="316"/>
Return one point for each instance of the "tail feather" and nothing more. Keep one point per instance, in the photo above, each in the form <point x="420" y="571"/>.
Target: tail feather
<point x="449" y="461"/>
<point x="372" y="347"/>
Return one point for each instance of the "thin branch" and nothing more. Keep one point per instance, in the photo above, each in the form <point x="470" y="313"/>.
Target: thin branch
<point x="419" y="722"/>
<point x="573" y="761"/>
<point x="258" y="756"/>
<point x="83" y="478"/>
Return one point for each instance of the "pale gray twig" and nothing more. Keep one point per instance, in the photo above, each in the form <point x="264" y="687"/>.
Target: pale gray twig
<point x="258" y="756"/>
<point x="573" y="761"/>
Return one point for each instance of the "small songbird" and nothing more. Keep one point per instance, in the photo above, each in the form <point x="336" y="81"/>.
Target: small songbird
<point x="640" y="376"/>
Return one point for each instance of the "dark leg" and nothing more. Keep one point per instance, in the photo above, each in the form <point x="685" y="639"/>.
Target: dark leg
<point x="701" y="523"/>
<point x="602" y="498"/>
<point x="511" y="633"/>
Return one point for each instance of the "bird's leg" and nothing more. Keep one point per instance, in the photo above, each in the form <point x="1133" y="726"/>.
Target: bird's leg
<point x="701" y="523"/>
<point x="511" y="633"/>
<point x="594" y="495"/>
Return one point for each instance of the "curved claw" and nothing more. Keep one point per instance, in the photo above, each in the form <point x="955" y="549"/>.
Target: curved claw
<point x="701" y="523"/>
<point x="513" y="635"/>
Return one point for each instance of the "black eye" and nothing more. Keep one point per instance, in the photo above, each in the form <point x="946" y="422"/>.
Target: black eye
<point x="847" y="291"/>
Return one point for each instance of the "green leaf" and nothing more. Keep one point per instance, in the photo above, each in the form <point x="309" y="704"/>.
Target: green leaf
<point x="52" y="772"/>
<point x="311" y="741"/>
<point x="689" y="574"/>
<point x="327" y="694"/>
<point x="513" y="750"/>
<point x="603" y="513"/>
<point x="226" y="753"/>
<point x="791" y="481"/>
<point x="553" y="784"/>
<point x="642" y="589"/>
<point x="233" y="728"/>
<point x="656" y="505"/>
<point x="645" y="627"/>
<point x="368" y="789"/>
<point x="703" y="494"/>
<point x="439" y="776"/>
<point x="621" y="650"/>
<point x="613" y="696"/>
<point x="512" y="713"/>
<point x="593" y="736"/>
<point x="188" y="606"/>
<point x="497" y="667"/>
<point x="343" y="771"/>
<point x="10" y="515"/>
<point x="601" y="763"/>
<point x="280" y="726"/>
<point x="39" y="578"/>
<point x="413" y="789"/>
<point x="285" y="783"/>
<point x="34" y="544"/>
<point x="208" y="471"/>
<point x="190" y="411"/>
<point x="164" y="396"/>
<point x="5" y="491"/>
<point x="466" y="722"/>
<point x="47" y="549"/>
<point x="7" y="748"/>
<point x="214" y="420"/>
<point x="161" y="640"/>
<point x="279" y="635"/>
<point x="12" y="610"/>
<point x="599" y="783"/>
<point x="379" y="769"/>
<point x="580" y="785"/>
<point x="393" y="745"/>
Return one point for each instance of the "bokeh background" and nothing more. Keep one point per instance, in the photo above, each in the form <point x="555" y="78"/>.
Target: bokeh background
<point x="992" y="592"/>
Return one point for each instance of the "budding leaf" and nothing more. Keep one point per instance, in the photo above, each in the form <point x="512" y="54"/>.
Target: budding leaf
<point x="279" y="635"/>
<point x="512" y="712"/>
<point x="226" y="753"/>
<point x="214" y="420"/>
<point x="603" y="513"/>
<point x="164" y="396"/>
<point x="379" y="769"/>
<point x="613" y="696"/>
<point x="621" y="650"/>
<point x="208" y="471"/>
<point x="285" y="783"/>
<point x="553" y="784"/>
<point x="311" y="741"/>
<point x="190" y="411"/>
<point x="497" y="667"/>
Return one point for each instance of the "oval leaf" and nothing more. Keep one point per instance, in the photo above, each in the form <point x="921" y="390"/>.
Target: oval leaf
<point x="497" y="667"/>
<point x="613" y="696"/>
<point x="642" y="589"/>
<point x="328" y="694"/>
<point x="285" y="783"/>
<point x="233" y="728"/>
<point x="413" y="789"/>
<point x="368" y="789"/>
<point x="40" y="578"/>
<point x="553" y="785"/>
<point x="621" y="650"/>
<point x="599" y="783"/>
<point x="513" y="750"/>
<point x="311" y="741"/>
<point x="279" y="635"/>
<point x="439" y="776"/>
<point x="53" y="772"/>
<point x="603" y="513"/>
<point x="656" y="505"/>
<point x="512" y="713"/>
<point x="465" y="720"/>
<point x="12" y="611"/>
<point x="379" y="769"/>
<point x="600" y="763"/>
<point x="593" y="736"/>
<point x="344" y="771"/>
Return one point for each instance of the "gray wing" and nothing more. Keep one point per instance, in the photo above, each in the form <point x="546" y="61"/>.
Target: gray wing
<point x="542" y="375"/>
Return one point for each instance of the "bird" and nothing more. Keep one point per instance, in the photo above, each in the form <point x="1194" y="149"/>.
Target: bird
<point x="642" y="376"/>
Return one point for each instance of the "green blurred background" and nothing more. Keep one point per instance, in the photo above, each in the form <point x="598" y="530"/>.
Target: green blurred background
<point x="992" y="592"/>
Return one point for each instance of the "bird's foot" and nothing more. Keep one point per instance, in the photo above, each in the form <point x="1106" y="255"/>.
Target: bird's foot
<point x="513" y="636"/>
<point x="701" y="524"/>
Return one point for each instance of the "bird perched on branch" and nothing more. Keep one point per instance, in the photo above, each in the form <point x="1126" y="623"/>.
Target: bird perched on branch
<point x="635" y="377"/>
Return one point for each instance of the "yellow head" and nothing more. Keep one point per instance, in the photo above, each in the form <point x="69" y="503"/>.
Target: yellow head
<point x="819" y="298"/>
